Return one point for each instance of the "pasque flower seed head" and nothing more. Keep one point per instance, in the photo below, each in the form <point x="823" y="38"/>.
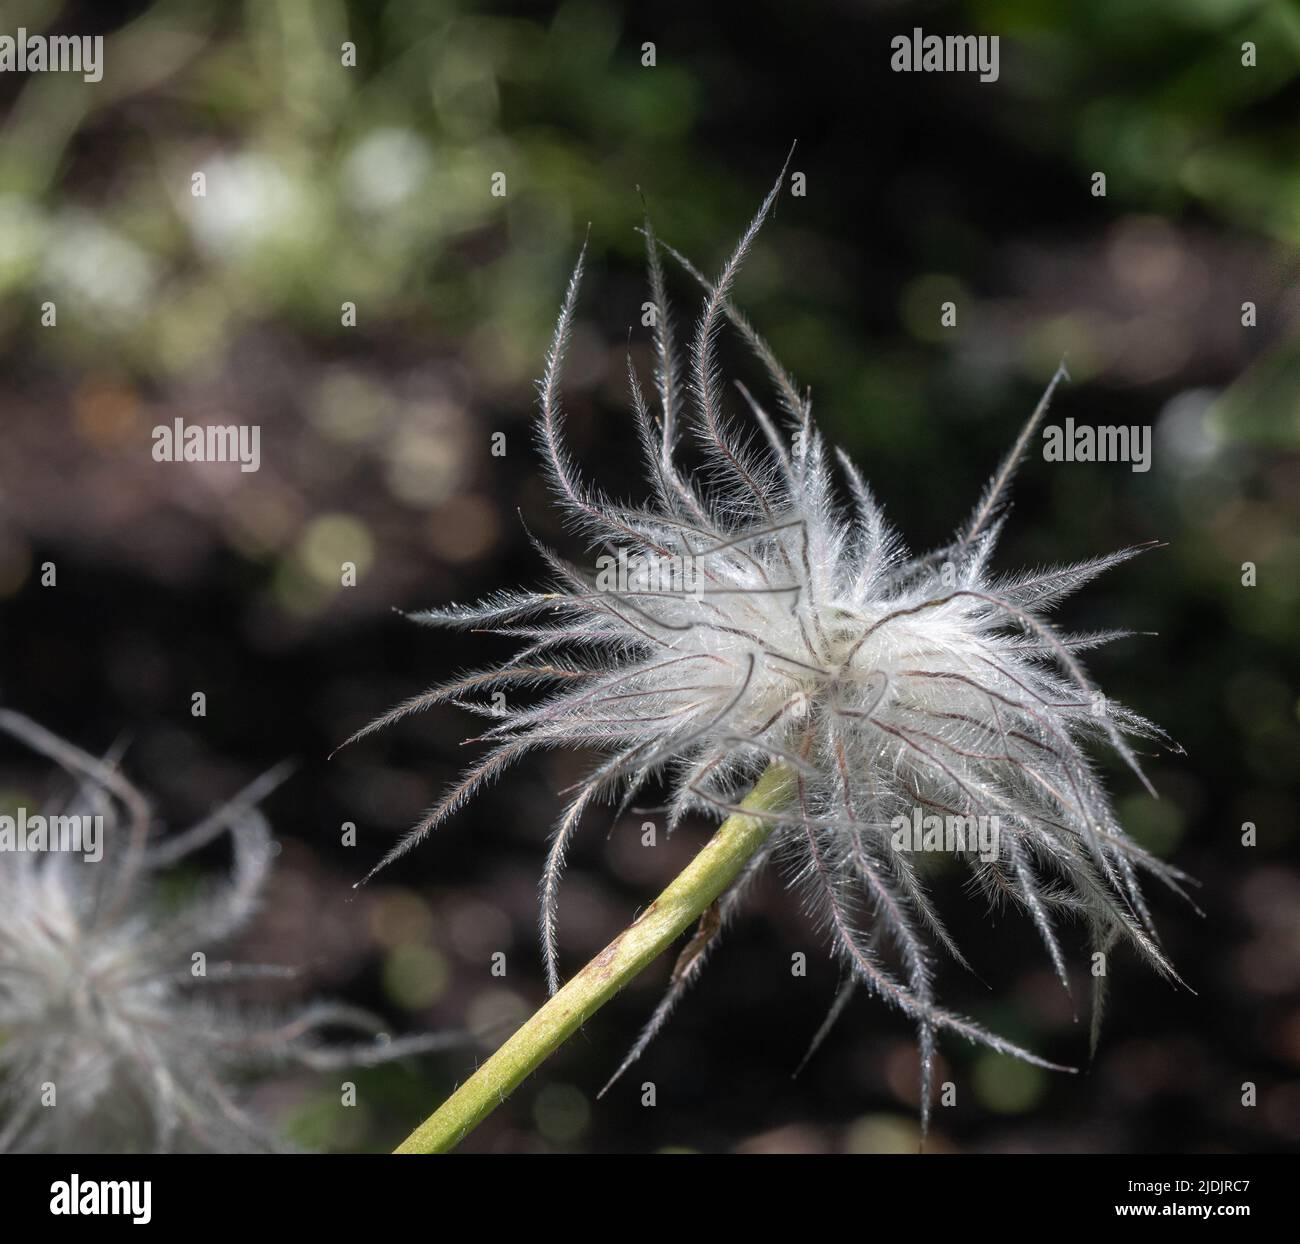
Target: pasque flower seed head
<point x="110" y="1039"/>
<point x="744" y="617"/>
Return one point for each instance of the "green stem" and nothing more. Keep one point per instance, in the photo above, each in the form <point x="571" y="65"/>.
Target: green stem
<point x="691" y="891"/>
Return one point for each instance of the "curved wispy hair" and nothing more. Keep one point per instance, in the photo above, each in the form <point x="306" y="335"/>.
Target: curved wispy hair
<point x="759" y="621"/>
<point x="97" y="995"/>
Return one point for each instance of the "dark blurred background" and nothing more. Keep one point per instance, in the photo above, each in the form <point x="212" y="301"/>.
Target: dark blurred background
<point x="372" y="185"/>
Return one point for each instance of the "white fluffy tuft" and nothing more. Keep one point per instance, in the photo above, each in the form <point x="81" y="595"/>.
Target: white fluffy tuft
<point x="97" y="994"/>
<point x="808" y="636"/>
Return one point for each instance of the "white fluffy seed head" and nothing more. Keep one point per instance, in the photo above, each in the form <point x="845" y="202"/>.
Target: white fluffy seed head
<point x="746" y="616"/>
<point x="112" y="1039"/>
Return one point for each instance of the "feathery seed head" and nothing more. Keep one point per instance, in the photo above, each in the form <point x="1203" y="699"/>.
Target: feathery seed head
<point x="745" y="617"/>
<point x="109" y="1038"/>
